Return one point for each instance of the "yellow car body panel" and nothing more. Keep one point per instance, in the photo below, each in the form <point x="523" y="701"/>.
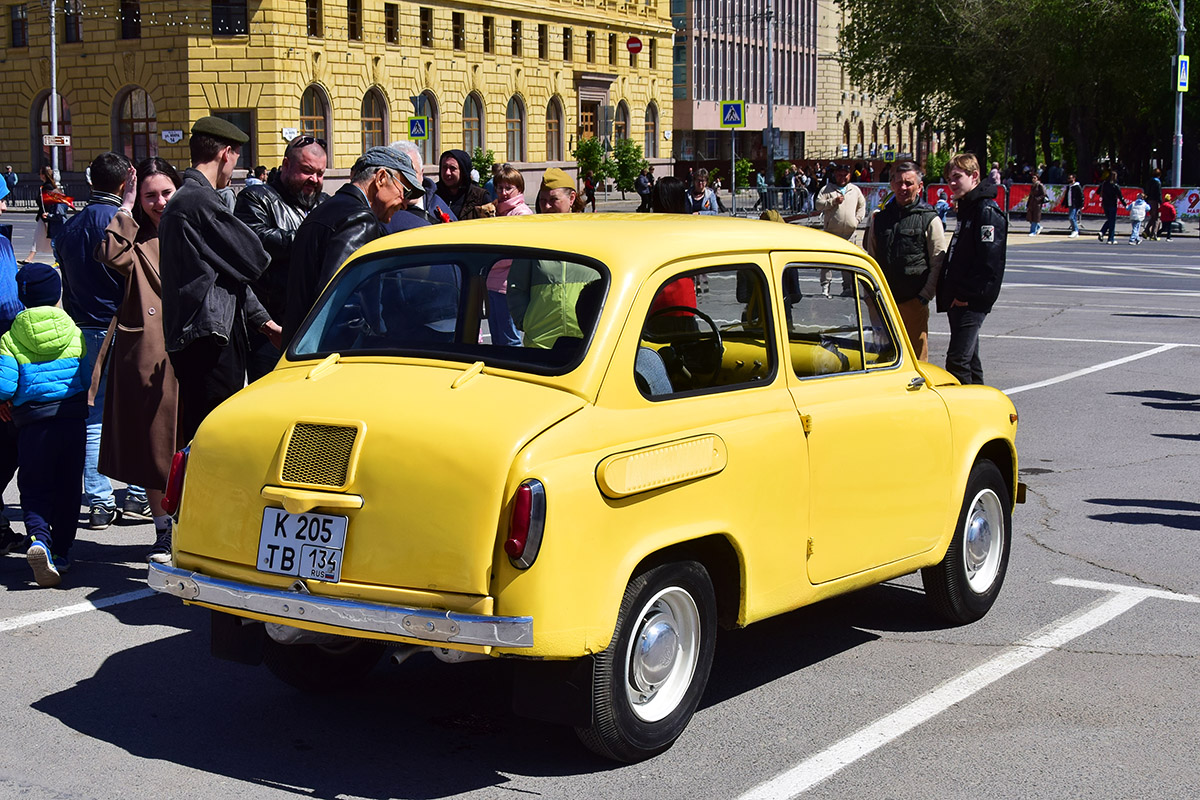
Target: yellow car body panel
<point x="822" y="484"/>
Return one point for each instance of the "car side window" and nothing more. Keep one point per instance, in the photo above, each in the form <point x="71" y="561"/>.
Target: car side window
<point x="835" y="322"/>
<point x="706" y="330"/>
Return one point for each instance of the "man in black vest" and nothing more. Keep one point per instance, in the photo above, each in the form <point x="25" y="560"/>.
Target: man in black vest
<point x="909" y="242"/>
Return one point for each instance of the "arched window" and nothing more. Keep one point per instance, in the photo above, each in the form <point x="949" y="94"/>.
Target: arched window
<point x="554" y="130"/>
<point x="861" y="138"/>
<point x="874" y="135"/>
<point x="846" y="136"/>
<point x="41" y="127"/>
<point x="427" y="107"/>
<point x="136" y="125"/>
<point x="472" y="124"/>
<point x="374" y="120"/>
<point x="650" y="147"/>
<point x="514" y="130"/>
<point x="621" y="122"/>
<point x="314" y="115"/>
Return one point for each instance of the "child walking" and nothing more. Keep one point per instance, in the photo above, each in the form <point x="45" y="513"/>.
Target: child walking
<point x="43" y="379"/>
<point x="1166" y="215"/>
<point x="1137" y="215"/>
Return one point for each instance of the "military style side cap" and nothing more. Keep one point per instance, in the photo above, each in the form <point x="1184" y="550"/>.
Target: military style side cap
<point x="220" y="129"/>
<point x="555" y="178"/>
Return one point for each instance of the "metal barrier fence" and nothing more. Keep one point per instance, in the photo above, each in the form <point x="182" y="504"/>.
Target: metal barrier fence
<point x="23" y="196"/>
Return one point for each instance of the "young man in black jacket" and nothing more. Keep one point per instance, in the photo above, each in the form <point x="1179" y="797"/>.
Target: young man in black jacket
<point x="974" y="269"/>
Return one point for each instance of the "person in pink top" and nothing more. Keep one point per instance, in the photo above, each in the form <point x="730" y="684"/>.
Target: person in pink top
<point x="510" y="202"/>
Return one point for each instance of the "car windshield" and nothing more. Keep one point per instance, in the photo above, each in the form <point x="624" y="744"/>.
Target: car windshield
<point x="525" y="309"/>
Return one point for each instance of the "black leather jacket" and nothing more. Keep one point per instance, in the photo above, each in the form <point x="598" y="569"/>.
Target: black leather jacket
<point x="274" y="215"/>
<point x="326" y="238"/>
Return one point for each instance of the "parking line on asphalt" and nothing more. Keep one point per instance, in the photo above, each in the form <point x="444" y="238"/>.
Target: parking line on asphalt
<point x="76" y="608"/>
<point x="841" y="754"/>
<point x="1089" y="370"/>
<point x="1137" y="290"/>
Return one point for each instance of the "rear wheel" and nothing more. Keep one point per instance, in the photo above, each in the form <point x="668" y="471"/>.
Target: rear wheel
<point x="965" y="584"/>
<point x="647" y="684"/>
<point x="322" y="668"/>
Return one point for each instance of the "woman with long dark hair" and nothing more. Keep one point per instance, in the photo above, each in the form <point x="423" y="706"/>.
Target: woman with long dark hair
<point x="140" y="405"/>
<point x="48" y="214"/>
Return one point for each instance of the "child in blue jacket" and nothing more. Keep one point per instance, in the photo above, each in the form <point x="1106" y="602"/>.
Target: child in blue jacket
<point x="42" y="376"/>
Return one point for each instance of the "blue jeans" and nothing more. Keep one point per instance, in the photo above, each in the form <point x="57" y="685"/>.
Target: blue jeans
<point x="1073" y="218"/>
<point x="500" y="322"/>
<point x="962" y="355"/>
<point x="97" y="489"/>
<point x="1135" y="235"/>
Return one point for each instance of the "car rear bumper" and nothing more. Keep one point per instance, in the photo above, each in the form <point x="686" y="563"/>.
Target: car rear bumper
<point x="428" y="625"/>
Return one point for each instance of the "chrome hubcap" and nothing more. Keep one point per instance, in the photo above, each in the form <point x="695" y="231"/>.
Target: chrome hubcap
<point x="983" y="541"/>
<point x="662" y="654"/>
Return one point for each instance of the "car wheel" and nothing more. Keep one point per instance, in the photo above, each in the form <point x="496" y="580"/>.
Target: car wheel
<point x="322" y="668"/>
<point x="965" y="584"/>
<point x="647" y="683"/>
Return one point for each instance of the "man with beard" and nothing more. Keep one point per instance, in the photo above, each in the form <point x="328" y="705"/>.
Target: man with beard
<point x="467" y="199"/>
<point x="274" y="210"/>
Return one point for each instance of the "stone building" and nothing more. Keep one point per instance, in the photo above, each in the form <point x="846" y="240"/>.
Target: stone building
<point x="526" y="81"/>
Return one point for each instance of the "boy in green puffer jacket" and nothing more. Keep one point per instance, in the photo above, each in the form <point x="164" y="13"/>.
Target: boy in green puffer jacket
<point x="43" y="380"/>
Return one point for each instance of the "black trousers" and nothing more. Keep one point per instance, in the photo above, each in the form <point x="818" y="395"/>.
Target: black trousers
<point x="51" y="463"/>
<point x="209" y="373"/>
<point x="8" y="456"/>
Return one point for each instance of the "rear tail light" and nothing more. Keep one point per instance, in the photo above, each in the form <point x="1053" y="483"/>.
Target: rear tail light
<point x="527" y="524"/>
<point x="174" y="491"/>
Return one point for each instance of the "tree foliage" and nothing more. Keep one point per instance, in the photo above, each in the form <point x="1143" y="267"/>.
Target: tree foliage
<point x="1095" y="72"/>
<point x="627" y="163"/>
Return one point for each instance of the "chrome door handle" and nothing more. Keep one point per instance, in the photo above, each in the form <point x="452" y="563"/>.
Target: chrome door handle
<point x="916" y="383"/>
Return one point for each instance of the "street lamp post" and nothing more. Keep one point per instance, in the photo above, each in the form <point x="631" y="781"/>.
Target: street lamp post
<point x="769" y="16"/>
<point x="1177" y="140"/>
<point x="54" y="85"/>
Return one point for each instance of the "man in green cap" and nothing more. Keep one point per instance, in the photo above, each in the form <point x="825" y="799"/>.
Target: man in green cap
<point x="208" y="260"/>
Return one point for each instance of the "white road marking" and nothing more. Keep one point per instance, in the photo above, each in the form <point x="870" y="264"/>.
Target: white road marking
<point x="1089" y="370"/>
<point x="77" y="608"/>
<point x="1138" y="290"/>
<point x="841" y="754"/>
<point x="1070" y="339"/>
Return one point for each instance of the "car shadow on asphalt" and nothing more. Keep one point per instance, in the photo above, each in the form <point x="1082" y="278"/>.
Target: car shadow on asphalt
<point x="421" y="730"/>
<point x="1165" y="400"/>
<point x="751" y="657"/>
<point x="1187" y="519"/>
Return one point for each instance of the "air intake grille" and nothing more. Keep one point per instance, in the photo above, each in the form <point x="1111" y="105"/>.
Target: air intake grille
<point x="319" y="455"/>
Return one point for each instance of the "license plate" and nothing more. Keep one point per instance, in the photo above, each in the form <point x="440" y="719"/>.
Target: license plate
<point x="304" y="545"/>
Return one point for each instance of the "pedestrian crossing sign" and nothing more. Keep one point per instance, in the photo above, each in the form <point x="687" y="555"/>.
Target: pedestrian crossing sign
<point x="1183" y="74"/>
<point x="889" y="154"/>
<point x="733" y="113"/>
<point x="418" y="128"/>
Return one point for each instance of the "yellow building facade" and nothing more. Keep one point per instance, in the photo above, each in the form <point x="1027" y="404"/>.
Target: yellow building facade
<point x="526" y="81"/>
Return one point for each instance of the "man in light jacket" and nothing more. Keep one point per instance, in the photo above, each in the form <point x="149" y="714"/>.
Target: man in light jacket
<point x="842" y="206"/>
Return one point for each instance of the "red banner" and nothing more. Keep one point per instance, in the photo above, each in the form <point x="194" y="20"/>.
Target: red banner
<point x="52" y="198"/>
<point x="1186" y="201"/>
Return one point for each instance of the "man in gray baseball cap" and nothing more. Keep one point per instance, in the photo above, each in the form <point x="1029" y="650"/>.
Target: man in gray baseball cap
<point x="382" y="182"/>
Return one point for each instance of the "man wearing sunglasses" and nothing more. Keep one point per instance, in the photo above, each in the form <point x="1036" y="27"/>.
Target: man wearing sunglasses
<point x="274" y="210"/>
<point x="382" y="182"/>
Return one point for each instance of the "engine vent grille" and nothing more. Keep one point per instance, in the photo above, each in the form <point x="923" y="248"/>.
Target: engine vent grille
<point x="319" y="455"/>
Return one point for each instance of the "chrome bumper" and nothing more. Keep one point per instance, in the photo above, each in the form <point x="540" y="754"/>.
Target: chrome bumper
<point x="352" y="615"/>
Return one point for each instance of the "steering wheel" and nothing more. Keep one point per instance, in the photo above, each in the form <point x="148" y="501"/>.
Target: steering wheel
<point x="695" y="351"/>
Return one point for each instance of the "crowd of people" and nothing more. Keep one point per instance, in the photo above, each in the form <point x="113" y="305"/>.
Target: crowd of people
<point x="172" y="300"/>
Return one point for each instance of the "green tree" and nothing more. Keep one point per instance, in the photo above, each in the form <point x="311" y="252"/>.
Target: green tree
<point x="482" y="161"/>
<point x="627" y="164"/>
<point x="589" y="155"/>
<point x="742" y="169"/>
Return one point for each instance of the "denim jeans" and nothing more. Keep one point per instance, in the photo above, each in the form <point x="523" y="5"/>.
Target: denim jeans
<point x="1135" y="235"/>
<point x="962" y="355"/>
<point x="97" y="489"/>
<point x="500" y="321"/>
<point x="1073" y="218"/>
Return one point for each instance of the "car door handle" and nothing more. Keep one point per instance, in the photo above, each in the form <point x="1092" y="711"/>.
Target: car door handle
<point x="916" y="383"/>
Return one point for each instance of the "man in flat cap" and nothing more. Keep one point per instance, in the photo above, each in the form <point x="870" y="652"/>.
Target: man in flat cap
<point x="382" y="182"/>
<point x="209" y="259"/>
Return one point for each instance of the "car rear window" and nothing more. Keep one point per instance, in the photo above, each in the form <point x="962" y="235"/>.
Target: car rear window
<point x="524" y="309"/>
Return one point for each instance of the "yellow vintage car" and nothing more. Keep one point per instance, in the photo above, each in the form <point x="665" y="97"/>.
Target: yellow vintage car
<point x="703" y="422"/>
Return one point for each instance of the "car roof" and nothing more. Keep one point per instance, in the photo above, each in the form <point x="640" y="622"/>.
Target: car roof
<point x="631" y="240"/>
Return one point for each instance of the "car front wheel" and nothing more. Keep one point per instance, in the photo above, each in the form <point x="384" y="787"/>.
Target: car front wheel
<point x="964" y="585"/>
<point x="647" y="683"/>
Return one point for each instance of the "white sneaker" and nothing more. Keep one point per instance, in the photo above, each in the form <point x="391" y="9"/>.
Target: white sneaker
<point x="1073" y="235"/>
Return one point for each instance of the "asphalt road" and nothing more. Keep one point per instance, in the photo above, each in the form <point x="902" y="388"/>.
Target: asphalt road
<point x="1081" y="682"/>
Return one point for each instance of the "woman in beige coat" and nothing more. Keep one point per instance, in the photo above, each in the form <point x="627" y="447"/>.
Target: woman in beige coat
<point x="140" y="406"/>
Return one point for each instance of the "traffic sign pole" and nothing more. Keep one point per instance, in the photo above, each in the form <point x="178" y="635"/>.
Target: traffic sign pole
<point x="1181" y="66"/>
<point x="733" y="116"/>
